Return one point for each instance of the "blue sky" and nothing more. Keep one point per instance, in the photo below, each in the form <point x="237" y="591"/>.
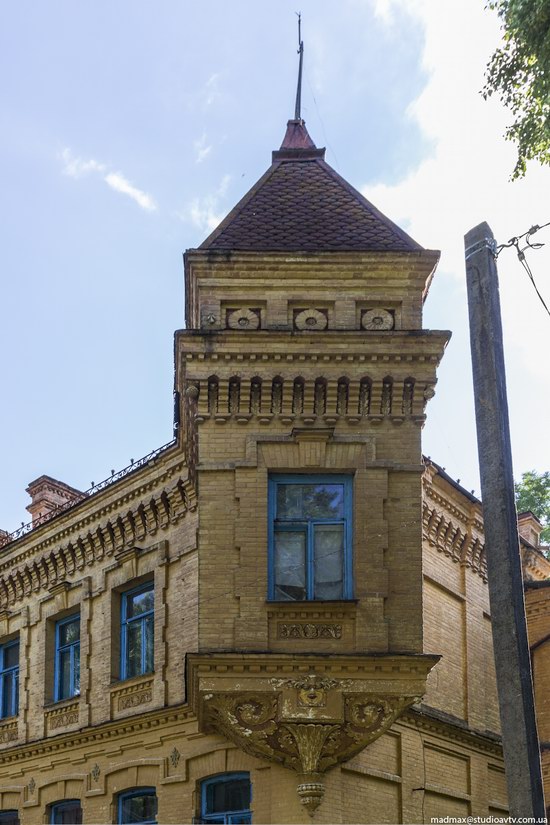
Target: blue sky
<point x="128" y="130"/>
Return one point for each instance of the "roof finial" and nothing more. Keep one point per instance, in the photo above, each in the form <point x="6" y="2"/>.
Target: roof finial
<point x="298" y="109"/>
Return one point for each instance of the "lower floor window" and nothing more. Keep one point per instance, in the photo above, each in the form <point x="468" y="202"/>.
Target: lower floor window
<point x="226" y="798"/>
<point x="9" y="818"/>
<point x="66" y="813"/>
<point x="138" y="806"/>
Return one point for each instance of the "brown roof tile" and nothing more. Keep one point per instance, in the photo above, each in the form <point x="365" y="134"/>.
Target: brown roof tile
<point x="301" y="203"/>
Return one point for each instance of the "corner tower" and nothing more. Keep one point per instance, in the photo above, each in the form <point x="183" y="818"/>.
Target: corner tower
<point x="304" y="374"/>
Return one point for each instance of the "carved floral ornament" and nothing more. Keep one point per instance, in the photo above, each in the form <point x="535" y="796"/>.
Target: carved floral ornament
<point x="377" y="319"/>
<point x="308" y="724"/>
<point x="310" y="319"/>
<point x="243" y="318"/>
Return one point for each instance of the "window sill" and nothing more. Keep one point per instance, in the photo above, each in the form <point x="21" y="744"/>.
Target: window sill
<point x="318" y="602"/>
<point x="60" y="703"/>
<point x="130" y="680"/>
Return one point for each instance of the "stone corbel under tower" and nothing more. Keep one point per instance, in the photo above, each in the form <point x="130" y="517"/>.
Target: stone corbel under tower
<point x="308" y="715"/>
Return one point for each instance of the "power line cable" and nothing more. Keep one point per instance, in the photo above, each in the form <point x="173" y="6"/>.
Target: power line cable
<point x="515" y="242"/>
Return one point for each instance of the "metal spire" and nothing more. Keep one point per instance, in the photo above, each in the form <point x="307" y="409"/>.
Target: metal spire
<point x="298" y="108"/>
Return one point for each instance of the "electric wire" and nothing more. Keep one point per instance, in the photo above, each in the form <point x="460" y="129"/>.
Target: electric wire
<point x="515" y="243"/>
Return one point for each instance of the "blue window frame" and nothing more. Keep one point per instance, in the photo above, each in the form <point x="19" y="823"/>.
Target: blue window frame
<point x="137" y="631"/>
<point x="67" y="658"/>
<point x="138" y="806"/>
<point x="9" y="679"/>
<point x="68" y="812"/>
<point x="310" y="537"/>
<point x="226" y="798"/>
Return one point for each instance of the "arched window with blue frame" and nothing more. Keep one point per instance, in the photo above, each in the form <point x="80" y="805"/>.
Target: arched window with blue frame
<point x="310" y="537"/>
<point x="226" y="798"/>
<point x="68" y="812"/>
<point x="137" y="631"/>
<point x="138" y="806"/>
<point x="9" y="679"/>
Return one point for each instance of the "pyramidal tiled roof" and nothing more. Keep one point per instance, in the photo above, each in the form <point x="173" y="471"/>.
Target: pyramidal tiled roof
<point x="302" y="204"/>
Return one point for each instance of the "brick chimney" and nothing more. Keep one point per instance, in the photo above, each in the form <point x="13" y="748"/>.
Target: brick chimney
<point x="529" y="528"/>
<point x="47" y="496"/>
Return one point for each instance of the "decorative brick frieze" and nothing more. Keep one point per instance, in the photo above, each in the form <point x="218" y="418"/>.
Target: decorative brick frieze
<point x="310" y="626"/>
<point x="62" y="717"/>
<point x="449" y="538"/>
<point x="8" y="731"/>
<point x="126" y="696"/>
<point x="307" y="400"/>
<point x="308" y="630"/>
<point x="31" y="572"/>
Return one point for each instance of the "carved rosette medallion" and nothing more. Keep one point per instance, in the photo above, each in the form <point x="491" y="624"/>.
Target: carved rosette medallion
<point x="310" y="319"/>
<point x="243" y="318"/>
<point x="377" y="319"/>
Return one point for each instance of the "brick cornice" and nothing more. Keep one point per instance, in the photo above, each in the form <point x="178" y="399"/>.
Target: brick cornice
<point x="99" y="733"/>
<point x="430" y="720"/>
<point x="79" y="540"/>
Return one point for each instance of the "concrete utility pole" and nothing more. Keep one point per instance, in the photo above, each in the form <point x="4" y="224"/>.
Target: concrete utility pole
<point x="513" y="665"/>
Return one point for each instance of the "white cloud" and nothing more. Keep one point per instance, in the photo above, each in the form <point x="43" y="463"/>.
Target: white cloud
<point x="202" y="148"/>
<point x="76" y="167"/>
<point x="211" y="89"/>
<point x="463" y="181"/>
<point x="119" y="183"/>
<point x="207" y="213"/>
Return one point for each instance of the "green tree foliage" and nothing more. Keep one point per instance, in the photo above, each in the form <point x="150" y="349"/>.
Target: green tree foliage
<point x="533" y="493"/>
<point x="519" y="73"/>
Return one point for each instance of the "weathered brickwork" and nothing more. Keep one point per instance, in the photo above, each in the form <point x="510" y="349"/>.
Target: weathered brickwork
<point x="537" y="606"/>
<point x="377" y="707"/>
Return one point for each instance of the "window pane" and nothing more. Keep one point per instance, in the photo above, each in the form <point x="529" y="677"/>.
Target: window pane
<point x="289" y="501"/>
<point x="323" y="500"/>
<point x="9" y="694"/>
<point x="243" y="819"/>
<point x="133" y="652"/>
<point x="230" y="795"/>
<point x="69" y="632"/>
<point x="11" y="656"/>
<point x="9" y="818"/>
<point x="149" y="644"/>
<point x="308" y="501"/>
<point x="76" y="660"/>
<point x="290" y="565"/>
<point x="64" y="674"/>
<point x="67" y="813"/>
<point x="16" y="690"/>
<point x="141" y="808"/>
<point x="329" y="561"/>
<point x="140" y="603"/>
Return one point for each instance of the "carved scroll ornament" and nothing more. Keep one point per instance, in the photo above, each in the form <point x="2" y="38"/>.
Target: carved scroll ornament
<point x="255" y="724"/>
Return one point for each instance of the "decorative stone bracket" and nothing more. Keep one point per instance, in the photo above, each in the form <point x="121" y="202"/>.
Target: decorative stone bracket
<point x="306" y="713"/>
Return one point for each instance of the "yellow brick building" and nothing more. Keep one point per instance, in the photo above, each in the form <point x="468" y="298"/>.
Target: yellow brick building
<point x="283" y="613"/>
